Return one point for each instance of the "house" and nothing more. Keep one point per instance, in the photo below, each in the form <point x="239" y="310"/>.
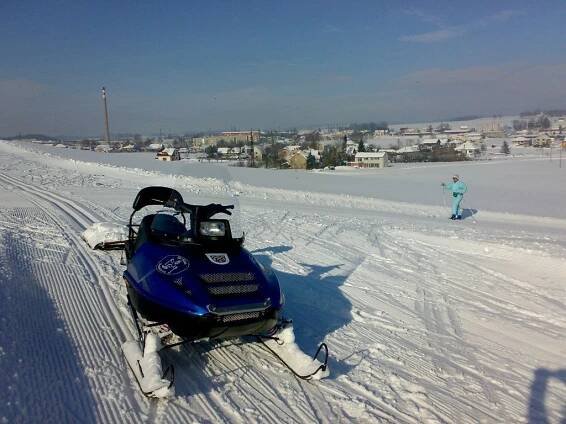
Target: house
<point x="474" y="136"/>
<point x="314" y="152"/>
<point x="371" y="160"/>
<point x="184" y="153"/>
<point x="469" y="149"/>
<point x="462" y="130"/>
<point x="390" y="152"/>
<point x="155" y="147"/>
<point x="429" y="143"/>
<point x="542" y="140"/>
<point x="351" y="147"/>
<point x="240" y="136"/>
<point x="223" y="151"/>
<point x="103" y="148"/>
<point x="298" y="160"/>
<point x="521" y="141"/>
<point x="128" y="148"/>
<point x="288" y="151"/>
<point x="258" y="153"/>
<point x="169" y="154"/>
<point x="410" y="131"/>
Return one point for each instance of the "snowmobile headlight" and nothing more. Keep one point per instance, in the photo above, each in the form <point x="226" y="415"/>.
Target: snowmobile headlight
<point x="213" y="228"/>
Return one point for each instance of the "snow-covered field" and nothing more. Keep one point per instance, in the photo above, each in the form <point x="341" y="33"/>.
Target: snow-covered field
<point x="427" y="320"/>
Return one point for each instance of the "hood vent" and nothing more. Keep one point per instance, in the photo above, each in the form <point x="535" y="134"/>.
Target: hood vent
<point x="230" y="283"/>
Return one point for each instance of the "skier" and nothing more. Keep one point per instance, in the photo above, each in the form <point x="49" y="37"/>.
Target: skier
<point x="458" y="189"/>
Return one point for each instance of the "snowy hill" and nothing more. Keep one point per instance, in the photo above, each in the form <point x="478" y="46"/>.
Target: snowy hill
<point x="427" y="320"/>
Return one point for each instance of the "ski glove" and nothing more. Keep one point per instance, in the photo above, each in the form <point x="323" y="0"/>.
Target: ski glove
<point x="455" y="194"/>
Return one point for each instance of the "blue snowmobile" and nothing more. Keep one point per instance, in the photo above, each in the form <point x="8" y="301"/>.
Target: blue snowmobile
<point x="193" y="275"/>
<point x="187" y="276"/>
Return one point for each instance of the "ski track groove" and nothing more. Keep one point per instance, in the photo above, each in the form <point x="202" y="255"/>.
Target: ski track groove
<point x="41" y="270"/>
<point x="99" y="349"/>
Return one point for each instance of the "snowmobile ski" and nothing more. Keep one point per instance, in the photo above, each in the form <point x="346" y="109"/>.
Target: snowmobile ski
<point x="282" y="345"/>
<point x="147" y="369"/>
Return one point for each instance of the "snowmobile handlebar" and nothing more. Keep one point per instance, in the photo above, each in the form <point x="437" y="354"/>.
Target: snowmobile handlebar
<point x="205" y="212"/>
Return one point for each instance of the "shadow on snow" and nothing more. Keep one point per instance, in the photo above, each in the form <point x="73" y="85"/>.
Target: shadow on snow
<point x="42" y="379"/>
<point x="468" y="213"/>
<point x="539" y="388"/>
<point x="315" y="303"/>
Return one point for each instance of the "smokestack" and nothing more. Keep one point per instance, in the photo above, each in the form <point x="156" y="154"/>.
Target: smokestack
<point x="106" y="115"/>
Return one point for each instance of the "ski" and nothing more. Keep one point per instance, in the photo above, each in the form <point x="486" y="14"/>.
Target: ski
<point x="282" y="345"/>
<point x="147" y="369"/>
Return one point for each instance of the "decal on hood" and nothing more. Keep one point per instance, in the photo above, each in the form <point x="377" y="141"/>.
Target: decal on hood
<point x="218" y="258"/>
<point x="172" y="265"/>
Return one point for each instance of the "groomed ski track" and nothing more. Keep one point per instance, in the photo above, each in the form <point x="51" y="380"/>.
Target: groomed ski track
<point x="413" y="337"/>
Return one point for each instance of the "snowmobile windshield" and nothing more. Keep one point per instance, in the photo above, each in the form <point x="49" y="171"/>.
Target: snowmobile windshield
<point x="219" y="192"/>
<point x="207" y="212"/>
<point x="168" y="227"/>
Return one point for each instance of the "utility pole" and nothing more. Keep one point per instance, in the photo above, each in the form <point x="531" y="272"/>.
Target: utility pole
<point x="106" y="115"/>
<point x="252" y="161"/>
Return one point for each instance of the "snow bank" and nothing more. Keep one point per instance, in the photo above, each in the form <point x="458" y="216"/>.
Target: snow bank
<point x="494" y="186"/>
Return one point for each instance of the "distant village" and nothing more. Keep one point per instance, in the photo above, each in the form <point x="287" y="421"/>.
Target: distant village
<point x="370" y="145"/>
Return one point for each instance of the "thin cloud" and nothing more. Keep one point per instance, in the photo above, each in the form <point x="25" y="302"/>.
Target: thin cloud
<point x="425" y="17"/>
<point x="501" y="88"/>
<point x="434" y="36"/>
<point x="329" y="28"/>
<point x="450" y="32"/>
<point x="502" y="16"/>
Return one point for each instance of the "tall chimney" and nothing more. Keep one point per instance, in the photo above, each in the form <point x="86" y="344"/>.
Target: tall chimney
<point x="106" y="115"/>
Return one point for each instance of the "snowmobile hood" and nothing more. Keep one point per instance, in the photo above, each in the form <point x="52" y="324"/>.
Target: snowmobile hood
<point x="200" y="281"/>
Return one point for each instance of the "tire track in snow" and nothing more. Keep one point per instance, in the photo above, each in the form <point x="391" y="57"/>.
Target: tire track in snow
<point x="446" y="340"/>
<point x="445" y="329"/>
<point x="408" y="262"/>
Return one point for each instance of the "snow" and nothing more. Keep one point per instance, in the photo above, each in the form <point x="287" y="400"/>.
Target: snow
<point x="289" y="352"/>
<point x="147" y="366"/>
<point x="370" y="154"/>
<point x="426" y="319"/>
<point x="99" y="233"/>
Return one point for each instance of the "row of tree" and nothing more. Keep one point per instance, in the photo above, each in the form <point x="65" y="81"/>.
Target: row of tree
<point x="540" y="122"/>
<point x="369" y="126"/>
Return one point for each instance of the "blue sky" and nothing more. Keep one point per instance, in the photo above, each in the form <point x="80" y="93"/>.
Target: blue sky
<point x="183" y="65"/>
